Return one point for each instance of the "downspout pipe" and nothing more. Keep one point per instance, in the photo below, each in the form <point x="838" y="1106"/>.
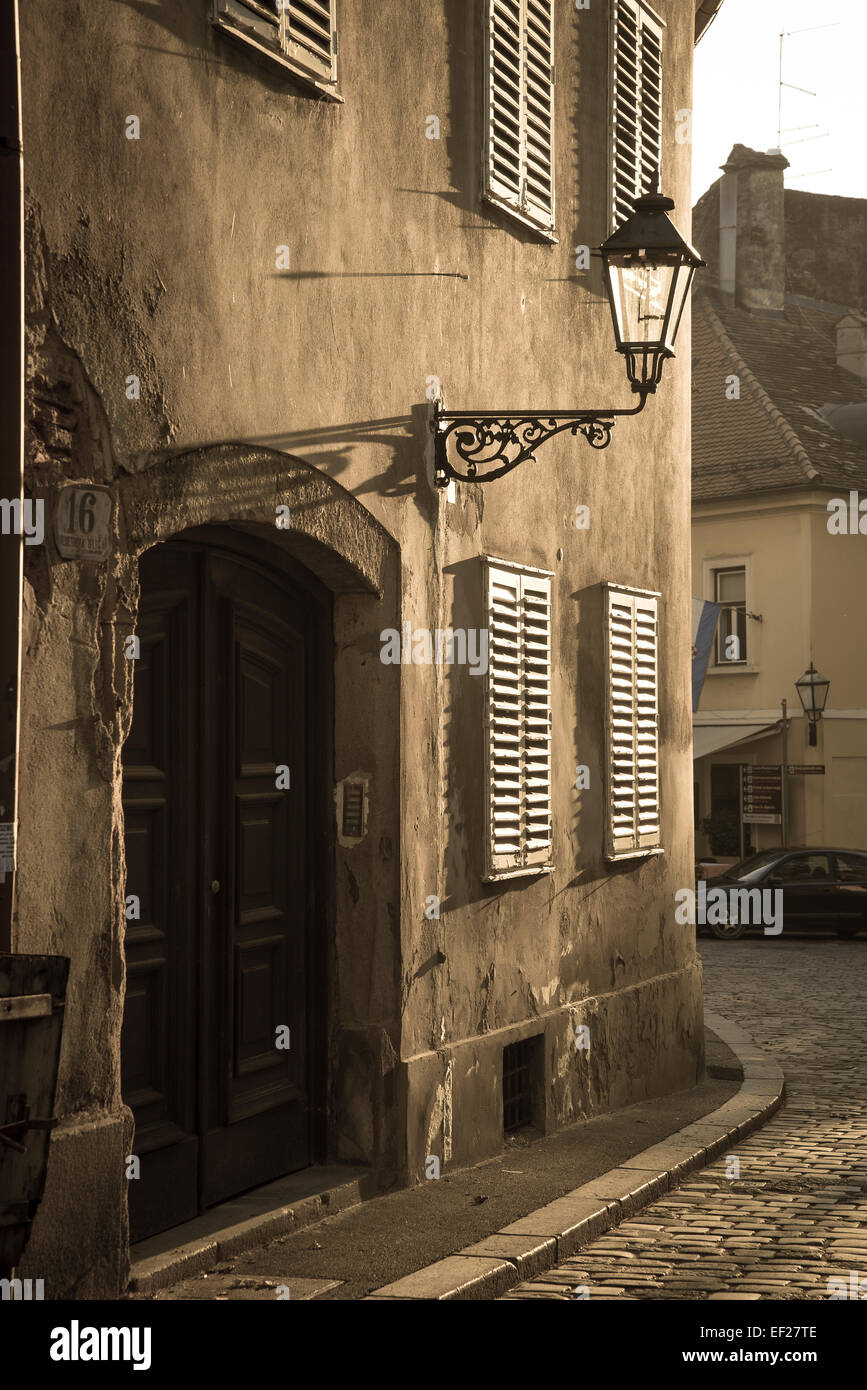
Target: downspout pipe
<point x="11" y="448"/>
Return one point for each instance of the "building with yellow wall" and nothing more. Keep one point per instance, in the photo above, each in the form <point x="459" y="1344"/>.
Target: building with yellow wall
<point x="779" y="514"/>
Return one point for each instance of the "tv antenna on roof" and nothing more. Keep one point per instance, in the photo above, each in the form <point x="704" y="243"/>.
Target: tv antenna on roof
<point x="787" y="34"/>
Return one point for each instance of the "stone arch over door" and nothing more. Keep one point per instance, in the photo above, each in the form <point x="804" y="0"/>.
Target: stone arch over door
<point x="329" y="531"/>
<point x="236" y="489"/>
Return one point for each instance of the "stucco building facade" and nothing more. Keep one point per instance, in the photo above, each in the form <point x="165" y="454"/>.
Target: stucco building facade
<point x="252" y="258"/>
<point x="779" y="474"/>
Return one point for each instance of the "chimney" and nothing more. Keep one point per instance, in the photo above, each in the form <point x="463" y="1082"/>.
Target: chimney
<point x="752" y="248"/>
<point x="852" y="344"/>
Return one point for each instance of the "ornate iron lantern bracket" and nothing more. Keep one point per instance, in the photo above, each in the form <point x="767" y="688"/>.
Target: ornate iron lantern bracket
<point x="492" y="443"/>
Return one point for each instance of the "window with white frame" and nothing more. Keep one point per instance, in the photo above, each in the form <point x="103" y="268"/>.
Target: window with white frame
<point x="517" y="719"/>
<point x="730" y="592"/>
<point x="636" y="93"/>
<point x="518" y="161"/>
<point x="631" y="722"/>
<point x="301" y="34"/>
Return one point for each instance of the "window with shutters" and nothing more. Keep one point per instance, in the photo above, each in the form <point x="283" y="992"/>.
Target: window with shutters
<point x="518" y="720"/>
<point x="518" y="160"/>
<point x="632" y="723"/>
<point x="636" y="122"/>
<point x="299" y="34"/>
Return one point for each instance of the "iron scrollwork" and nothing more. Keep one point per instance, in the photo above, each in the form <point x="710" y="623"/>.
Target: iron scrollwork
<point x="491" y="445"/>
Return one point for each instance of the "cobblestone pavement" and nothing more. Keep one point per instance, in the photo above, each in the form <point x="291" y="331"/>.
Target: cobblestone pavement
<point x="797" y="1214"/>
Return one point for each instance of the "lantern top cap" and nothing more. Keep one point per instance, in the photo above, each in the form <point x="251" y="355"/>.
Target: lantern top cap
<point x="649" y="229"/>
<point x="812" y="677"/>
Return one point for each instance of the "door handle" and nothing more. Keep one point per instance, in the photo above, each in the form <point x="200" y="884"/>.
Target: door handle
<point x="215" y="885"/>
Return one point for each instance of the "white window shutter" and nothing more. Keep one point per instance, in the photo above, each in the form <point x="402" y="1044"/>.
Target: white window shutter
<point x="261" y="20"/>
<point x="632" y="723"/>
<point x="505" y="123"/>
<point x="304" y="32"/>
<point x="536" y="712"/>
<point x="539" y="109"/>
<point x="310" y="29"/>
<point x="518" y="164"/>
<point x="503" y="720"/>
<point x="636" y="105"/>
<point x="518" y="720"/>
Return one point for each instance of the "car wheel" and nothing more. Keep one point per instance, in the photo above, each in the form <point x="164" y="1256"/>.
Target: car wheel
<point x="727" y="931"/>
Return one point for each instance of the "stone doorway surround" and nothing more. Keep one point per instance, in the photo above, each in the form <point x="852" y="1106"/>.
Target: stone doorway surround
<point x="70" y="888"/>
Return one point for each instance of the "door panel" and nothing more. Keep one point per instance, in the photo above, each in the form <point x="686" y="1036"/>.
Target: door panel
<point x="217" y="853"/>
<point x="157" y="1042"/>
<point x="259" y="920"/>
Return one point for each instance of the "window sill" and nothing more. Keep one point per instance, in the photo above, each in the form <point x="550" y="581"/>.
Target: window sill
<point x="529" y="871"/>
<point x="735" y="669"/>
<point x="546" y="233"/>
<point x="615" y="855"/>
<point x="326" y="90"/>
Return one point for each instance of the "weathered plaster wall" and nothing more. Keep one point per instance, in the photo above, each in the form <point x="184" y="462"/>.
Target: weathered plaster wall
<point x="157" y="257"/>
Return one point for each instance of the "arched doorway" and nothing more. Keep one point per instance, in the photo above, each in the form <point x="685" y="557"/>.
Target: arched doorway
<point x="227" y="770"/>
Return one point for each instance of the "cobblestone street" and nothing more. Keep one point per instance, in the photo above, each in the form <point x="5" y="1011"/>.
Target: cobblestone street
<point x="796" y="1216"/>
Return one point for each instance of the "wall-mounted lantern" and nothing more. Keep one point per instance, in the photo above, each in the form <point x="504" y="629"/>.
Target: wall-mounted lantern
<point x="648" y="273"/>
<point x="813" y="693"/>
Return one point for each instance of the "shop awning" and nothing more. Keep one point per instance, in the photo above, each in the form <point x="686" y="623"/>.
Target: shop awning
<point x="709" y="738"/>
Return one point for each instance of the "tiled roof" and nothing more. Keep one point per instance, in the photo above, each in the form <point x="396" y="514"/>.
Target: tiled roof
<point x="772" y="437"/>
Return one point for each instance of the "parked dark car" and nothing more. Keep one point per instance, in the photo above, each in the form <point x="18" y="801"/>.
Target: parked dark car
<point x="822" y="889"/>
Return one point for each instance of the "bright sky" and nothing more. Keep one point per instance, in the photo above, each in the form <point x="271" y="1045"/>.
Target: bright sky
<point x="736" y="90"/>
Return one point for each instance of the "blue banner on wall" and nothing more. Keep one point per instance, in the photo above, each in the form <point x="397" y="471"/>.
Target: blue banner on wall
<point x="704" y="616"/>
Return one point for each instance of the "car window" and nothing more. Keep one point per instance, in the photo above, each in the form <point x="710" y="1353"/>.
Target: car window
<point x="753" y="864"/>
<point x="804" y="868"/>
<point x="852" y="868"/>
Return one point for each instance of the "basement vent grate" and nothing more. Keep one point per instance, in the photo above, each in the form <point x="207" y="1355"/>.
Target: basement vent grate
<point x="517" y="1085"/>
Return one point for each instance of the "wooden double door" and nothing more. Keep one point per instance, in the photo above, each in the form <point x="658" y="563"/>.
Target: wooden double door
<point x="224" y="777"/>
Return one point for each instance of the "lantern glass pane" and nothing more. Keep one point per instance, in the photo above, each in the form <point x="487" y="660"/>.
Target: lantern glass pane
<point x="640" y="294"/>
<point x="682" y="281"/>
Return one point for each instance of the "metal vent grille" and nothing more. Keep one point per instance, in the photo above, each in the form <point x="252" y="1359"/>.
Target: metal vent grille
<point x="353" y="810"/>
<point x="517" y="1084"/>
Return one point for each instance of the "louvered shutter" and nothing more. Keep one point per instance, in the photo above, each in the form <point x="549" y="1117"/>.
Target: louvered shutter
<point x="536" y="709"/>
<point x="258" y="18"/>
<point x="519" y="153"/>
<point x="304" y="31"/>
<point x="518" y="719"/>
<point x="637" y="105"/>
<point x="632" y="720"/>
<point x="309" y="35"/>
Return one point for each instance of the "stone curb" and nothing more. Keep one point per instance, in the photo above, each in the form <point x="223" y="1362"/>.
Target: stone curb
<point x="548" y="1235"/>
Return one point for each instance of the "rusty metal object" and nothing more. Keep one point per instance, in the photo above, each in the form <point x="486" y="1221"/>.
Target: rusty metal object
<point x="32" y="994"/>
